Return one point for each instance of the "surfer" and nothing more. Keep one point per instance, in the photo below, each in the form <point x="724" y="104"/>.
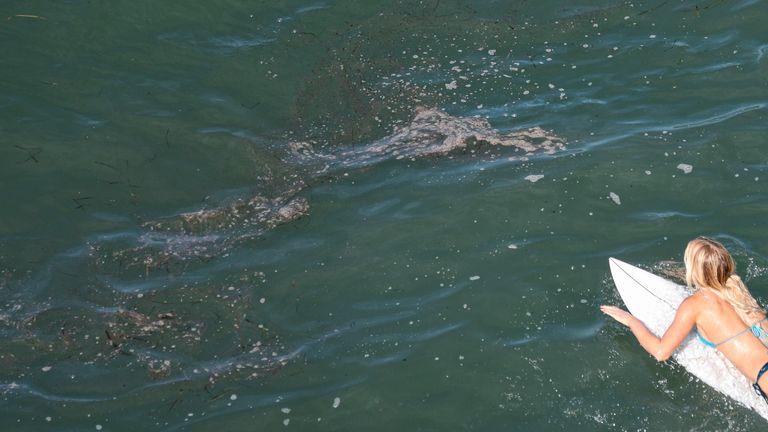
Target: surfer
<point x="721" y="308"/>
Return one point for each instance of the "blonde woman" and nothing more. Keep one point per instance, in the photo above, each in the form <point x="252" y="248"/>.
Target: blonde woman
<point x="721" y="309"/>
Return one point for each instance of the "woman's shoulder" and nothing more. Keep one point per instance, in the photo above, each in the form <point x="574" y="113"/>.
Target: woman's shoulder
<point x="696" y="297"/>
<point x="703" y="295"/>
<point x="706" y="302"/>
<point x="700" y="299"/>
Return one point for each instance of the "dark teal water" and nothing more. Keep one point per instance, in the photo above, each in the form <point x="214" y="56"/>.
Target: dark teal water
<point x="244" y="215"/>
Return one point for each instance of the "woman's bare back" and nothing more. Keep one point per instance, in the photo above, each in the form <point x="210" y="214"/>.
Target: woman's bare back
<point x="718" y="322"/>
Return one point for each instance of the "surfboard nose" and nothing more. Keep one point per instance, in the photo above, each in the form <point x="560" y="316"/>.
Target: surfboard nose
<point x="615" y="264"/>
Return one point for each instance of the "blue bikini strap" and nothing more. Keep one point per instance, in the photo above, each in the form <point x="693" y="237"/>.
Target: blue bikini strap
<point x="705" y="342"/>
<point x="758" y="330"/>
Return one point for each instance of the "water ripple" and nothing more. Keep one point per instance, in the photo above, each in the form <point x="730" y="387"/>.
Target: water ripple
<point x="703" y="120"/>
<point x="761" y="50"/>
<point x="655" y="215"/>
<point x="407" y="302"/>
<point x="433" y="333"/>
<point x="23" y="388"/>
<point x="706" y="69"/>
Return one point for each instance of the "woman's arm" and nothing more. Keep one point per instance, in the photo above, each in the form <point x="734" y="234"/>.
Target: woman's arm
<point x="661" y="349"/>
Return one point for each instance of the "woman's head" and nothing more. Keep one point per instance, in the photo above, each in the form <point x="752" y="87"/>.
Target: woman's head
<point x="707" y="264"/>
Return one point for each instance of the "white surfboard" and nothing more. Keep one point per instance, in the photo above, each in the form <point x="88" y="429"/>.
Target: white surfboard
<point x="654" y="300"/>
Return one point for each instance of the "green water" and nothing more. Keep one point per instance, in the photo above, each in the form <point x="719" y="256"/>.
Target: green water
<point x="425" y="292"/>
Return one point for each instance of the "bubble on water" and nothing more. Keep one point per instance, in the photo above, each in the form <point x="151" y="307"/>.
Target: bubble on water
<point x="233" y="397"/>
<point x="46" y="368"/>
<point x="336" y="402"/>
<point x="474" y="278"/>
<point x="286" y="422"/>
<point x="512" y="246"/>
<point x="533" y="178"/>
<point x="685" y="168"/>
<point x="285" y="410"/>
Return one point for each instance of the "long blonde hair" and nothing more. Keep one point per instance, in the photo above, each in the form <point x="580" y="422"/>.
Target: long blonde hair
<point x="709" y="265"/>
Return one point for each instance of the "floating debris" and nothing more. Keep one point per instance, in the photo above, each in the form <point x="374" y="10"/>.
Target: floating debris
<point x="432" y="132"/>
<point x="259" y="211"/>
<point x="615" y="198"/>
<point x="533" y="178"/>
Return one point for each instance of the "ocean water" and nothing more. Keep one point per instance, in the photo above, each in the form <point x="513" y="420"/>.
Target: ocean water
<point x="349" y="215"/>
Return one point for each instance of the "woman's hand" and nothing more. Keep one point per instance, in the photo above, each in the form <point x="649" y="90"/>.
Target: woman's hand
<point x="618" y="314"/>
<point x="661" y="349"/>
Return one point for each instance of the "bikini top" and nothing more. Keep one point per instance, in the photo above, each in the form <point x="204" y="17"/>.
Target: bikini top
<point x="756" y="330"/>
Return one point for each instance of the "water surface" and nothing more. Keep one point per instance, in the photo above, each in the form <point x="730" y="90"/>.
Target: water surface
<point x="231" y="215"/>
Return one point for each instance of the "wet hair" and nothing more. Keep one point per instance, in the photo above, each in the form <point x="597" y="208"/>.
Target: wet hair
<point x="709" y="265"/>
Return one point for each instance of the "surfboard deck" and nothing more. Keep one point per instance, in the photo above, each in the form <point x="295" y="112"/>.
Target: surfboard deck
<point x="654" y="300"/>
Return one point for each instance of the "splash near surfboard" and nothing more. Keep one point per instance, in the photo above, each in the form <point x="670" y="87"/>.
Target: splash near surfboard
<point x="654" y="300"/>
